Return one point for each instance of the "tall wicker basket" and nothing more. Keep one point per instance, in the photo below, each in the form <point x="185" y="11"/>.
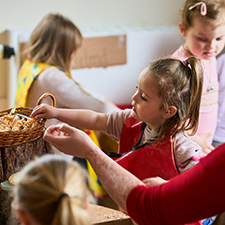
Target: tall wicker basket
<point x="17" y="148"/>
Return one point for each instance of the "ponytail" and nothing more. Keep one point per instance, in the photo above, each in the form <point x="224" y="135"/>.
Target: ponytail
<point x="53" y="191"/>
<point x="196" y="82"/>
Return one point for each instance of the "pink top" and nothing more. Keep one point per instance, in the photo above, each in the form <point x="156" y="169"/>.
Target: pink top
<point x="196" y="194"/>
<point x="220" y="130"/>
<point x="209" y="101"/>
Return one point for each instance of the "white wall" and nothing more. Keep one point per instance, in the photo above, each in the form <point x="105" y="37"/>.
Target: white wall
<point x="27" y="13"/>
<point x="99" y="16"/>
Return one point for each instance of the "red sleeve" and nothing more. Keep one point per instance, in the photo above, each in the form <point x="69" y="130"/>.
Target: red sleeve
<point x="196" y="194"/>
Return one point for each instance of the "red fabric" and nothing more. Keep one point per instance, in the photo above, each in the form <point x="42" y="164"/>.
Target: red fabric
<point x="194" y="195"/>
<point x="149" y="161"/>
<point x="125" y="106"/>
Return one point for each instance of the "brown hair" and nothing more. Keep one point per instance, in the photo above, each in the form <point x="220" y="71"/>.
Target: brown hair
<point x="215" y="12"/>
<point x="53" y="41"/>
<point x="179" y="84"/>
<point x="53" y="190"/>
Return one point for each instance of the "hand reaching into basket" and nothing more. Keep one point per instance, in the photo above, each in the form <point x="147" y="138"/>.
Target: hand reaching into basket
<point x="44" y="111"/>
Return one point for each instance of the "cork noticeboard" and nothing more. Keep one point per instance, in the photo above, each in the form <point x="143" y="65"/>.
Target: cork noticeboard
<point x="101" y="51"/>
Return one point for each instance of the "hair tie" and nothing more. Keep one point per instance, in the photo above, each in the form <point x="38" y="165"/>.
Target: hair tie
<point x="61" y="196"/>
<point x="203" y="9"/>
<point x="186" y="64"/>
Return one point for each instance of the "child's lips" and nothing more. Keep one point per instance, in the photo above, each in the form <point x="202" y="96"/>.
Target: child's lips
<point x="209" y="54"/>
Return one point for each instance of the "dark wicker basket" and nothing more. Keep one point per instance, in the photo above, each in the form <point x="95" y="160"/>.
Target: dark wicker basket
<point x="11" y="138"/>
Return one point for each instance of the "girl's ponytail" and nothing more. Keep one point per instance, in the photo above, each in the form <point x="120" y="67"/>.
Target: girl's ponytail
<point x="71" y="210"/>
<point x="196" y="82"/>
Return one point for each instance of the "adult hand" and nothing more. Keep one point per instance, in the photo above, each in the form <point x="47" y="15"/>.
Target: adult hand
<point x="69" y="140"/>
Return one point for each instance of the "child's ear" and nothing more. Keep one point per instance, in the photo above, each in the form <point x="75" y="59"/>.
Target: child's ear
<point x="170" y="112"/>
<point x="23" y="216"/>
<point x="182" y="29"/>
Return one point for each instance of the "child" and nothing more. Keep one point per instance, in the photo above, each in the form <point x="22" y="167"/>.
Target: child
<point x="152" y="138"/>
<point x="219" y="136"/>
<point x="203" y="26"/>
<point x="50" y="52"/>
<point x="52" y="190"/>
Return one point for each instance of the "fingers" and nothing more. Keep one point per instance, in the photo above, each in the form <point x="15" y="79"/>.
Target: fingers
<point x="38" y="111"/>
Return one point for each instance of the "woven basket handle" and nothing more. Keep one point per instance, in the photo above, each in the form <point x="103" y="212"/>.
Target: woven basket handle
<point x="45" y="95"/>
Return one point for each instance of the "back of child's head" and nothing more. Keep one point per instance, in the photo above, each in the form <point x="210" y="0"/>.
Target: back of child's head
<point x="53" y="190"/>
<point x="209" y="11"/>
<point x="179" y="84"/>
<point x="53" y="41"/>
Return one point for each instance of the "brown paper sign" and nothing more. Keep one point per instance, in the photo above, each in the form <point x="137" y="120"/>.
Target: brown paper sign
<point x="101" y="52"/>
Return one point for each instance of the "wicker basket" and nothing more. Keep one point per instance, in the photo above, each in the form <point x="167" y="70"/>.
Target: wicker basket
<point x="11" y="138"/>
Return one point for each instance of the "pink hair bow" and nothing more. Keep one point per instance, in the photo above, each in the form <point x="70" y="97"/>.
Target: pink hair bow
<point x="203" y="9"/>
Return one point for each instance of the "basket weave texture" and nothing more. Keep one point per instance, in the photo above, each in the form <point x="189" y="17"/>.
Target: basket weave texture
<point x="11" y="138"/>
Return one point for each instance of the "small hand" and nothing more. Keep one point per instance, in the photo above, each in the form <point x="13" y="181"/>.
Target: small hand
<point x="43" y="111"/>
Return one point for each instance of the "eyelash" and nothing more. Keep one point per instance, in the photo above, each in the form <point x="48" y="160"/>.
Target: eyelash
<point x="142" y="96"/>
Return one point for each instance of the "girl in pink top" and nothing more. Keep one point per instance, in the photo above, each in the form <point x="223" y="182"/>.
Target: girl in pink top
<point x="203" y="26"/>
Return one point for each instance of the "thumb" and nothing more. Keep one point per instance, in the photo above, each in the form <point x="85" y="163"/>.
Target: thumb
<point x="65" y="128"/>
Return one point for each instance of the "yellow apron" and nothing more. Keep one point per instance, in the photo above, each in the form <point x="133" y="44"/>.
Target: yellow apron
<point x="27" y="74"/>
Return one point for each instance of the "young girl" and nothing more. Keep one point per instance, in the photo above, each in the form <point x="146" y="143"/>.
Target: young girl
<point x="52" y="190"/>
<point x="152" y="138"/>
<point x="203" y="26"/>
<point x="50" y="52"/>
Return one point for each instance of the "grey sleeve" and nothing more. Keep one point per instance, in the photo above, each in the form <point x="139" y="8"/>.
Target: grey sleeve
<point x="186" y="152"/>
<point x="115" y="122"/>
<point x="68" y="93"/>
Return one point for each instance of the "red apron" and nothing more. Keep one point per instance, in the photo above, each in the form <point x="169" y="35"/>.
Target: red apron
<point x="146" y="160"/>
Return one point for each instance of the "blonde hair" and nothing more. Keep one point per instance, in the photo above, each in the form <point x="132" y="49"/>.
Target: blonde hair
<point x="179" y="84"/>
<point x="42" y="189"/>
<point x="215" y="12"/>
<point x="53" y="41"/>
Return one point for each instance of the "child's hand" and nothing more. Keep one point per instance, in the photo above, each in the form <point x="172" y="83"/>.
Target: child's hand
<point x="69" y="140"/>
<point x="153" y="181"/>
<point x="201" y="140"/>
<point x="43" y="111"/>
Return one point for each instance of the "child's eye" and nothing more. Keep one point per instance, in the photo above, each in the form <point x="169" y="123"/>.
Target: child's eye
<point x="220" y="38"/>
<point x="136" y="87"/>
<point x="143" y="98"/>
<point x="201" y="39"/>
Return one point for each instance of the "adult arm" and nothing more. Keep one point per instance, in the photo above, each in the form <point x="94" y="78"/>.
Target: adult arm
<point x="196" y="194"/>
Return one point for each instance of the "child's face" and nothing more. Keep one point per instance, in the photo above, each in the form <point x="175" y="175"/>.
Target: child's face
<point x="146" y="102"/>
<point x="203" y="40"/>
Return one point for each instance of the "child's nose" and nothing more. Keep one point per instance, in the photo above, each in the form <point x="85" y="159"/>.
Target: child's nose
<point x="211" y="44"/>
